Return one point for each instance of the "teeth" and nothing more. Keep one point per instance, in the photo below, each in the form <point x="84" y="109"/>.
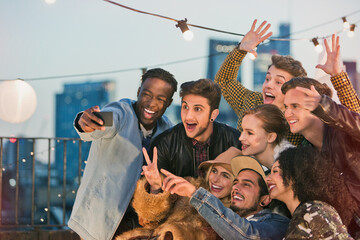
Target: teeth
<point x="216" y="187"/>
<point x="292" y="121"/>
<point x="238" y="198"/>
<point x="269" y="95"/>
<point x="271" y="187"/>
<point x="148" y="111"/>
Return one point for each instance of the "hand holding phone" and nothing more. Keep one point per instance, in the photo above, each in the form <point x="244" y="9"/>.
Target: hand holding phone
<point x="106" y="117"/>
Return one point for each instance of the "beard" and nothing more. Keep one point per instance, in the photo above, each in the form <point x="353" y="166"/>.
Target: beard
<point x="245" y="212"/>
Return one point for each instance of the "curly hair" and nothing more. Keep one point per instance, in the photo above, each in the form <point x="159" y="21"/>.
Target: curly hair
<point x="273" y="120"/>
<point x="313" y="177"/>
<point x="288" y="64"/>
<point x="161" y="74"/>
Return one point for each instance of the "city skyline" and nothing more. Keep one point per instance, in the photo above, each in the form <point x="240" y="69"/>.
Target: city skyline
<point x="70" y="37"/>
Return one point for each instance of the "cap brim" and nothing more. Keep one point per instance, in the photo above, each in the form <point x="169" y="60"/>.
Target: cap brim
<point x="240" y="163"/>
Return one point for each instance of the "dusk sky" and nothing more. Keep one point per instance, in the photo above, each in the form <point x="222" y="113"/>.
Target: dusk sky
<point x="87" y="36"/>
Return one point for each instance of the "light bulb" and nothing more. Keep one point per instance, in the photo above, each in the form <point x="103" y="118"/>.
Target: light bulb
<point x="50" y="1"/>
<point x="351" y="31"/>
<point x="319" y="48"/>
<point x="346" y="24"/>
<point x="188" y="35"/>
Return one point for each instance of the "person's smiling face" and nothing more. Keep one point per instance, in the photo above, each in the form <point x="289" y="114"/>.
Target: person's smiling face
<point x="220" y="181"/>
<point x="271" y="89"/>
<point x="254" y="138"/>
<point x="154" y="96"/>
<point x="277" y="189"/>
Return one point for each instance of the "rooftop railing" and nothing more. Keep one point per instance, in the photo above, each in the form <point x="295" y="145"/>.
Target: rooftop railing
<point x="39" y="178"/>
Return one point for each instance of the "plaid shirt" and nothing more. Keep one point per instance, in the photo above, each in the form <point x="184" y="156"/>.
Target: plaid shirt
<point x="201" y="154"/>
<point x="346" y="92"/>
<point x="242" y="99"/>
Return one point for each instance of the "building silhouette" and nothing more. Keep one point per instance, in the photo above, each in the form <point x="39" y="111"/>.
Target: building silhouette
<point x="75" y="98"/>
<point x="218" y="50"/>
<point x="17" y="173"/>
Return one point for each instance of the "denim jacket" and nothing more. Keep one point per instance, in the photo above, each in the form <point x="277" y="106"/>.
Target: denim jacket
<point x="229" y="225"/>
<point x="112" y="170"/>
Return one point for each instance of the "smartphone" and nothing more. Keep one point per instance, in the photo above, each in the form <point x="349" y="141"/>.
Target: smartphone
<point x="106" y="117"/>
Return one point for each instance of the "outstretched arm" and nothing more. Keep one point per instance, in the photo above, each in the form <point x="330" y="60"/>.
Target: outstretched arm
<point x="239" y="97"/>
<point x="88" y="122"/>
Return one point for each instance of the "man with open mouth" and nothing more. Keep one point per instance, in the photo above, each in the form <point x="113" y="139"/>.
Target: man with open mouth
<point x="198" y="137"/>
<point x="281" y="70"/>
<point x="115" y="159"/>
<point x="247" y="217"/>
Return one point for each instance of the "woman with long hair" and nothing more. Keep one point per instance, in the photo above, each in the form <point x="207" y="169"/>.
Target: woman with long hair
<point x="312" y="189"/>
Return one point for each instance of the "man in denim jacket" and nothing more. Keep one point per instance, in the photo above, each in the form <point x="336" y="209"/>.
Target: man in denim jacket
<point x="115" y="158"/>
<point x="247" y="218"/>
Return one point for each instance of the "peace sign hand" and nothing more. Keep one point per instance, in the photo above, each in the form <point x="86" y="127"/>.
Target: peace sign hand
<point x="151" y="171"/>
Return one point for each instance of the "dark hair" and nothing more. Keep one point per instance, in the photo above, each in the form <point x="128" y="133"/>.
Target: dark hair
<point x="314" y="177"/>
<point x="205" y="88"/>
<point x="288" y="64"/>
<point x="161" y="74"/>
<point x="263" y="187"/>
<point x="305" y="82"/>
<point x="273" y="120"/>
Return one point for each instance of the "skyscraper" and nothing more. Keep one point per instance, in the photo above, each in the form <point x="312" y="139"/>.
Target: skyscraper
<point x="218" y="50"/>
<point x="76" y="98"/>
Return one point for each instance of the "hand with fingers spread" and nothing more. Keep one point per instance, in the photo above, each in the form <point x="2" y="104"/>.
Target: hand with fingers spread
<point x="255" y="37"/>
<point x="89" y="122"/>
<point x="332" y="65"/>
<point x="311" y="99"/>
<point x="151" y="171"/>
<point x="177" y="185"/>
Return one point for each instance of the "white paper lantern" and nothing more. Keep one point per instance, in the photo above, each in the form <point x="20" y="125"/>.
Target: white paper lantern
<point x="17" y="101"/>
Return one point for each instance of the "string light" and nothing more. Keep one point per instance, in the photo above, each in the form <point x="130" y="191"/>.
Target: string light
<point x="351" y="31"/>
<point x="187" y="34"/>
<point x="346" y="24"/>
<point x="318" y="47"/>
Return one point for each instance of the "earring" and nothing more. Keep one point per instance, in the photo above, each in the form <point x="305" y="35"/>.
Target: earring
<point x="262" y="204"/>
<point x="211" y="120"/>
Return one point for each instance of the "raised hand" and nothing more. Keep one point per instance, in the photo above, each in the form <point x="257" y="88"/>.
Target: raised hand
<point x="255" y="37"/>
<point x="89" y="122"/>
<point x="332" y="65"/>
<point x="151" y="171"/>
<point x="178" y="185"/>
<point x="311" y="99"/>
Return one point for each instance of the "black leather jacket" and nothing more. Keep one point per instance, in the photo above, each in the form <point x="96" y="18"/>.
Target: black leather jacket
<point x="341" y="142"/>
<point x="177" y="155"/>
